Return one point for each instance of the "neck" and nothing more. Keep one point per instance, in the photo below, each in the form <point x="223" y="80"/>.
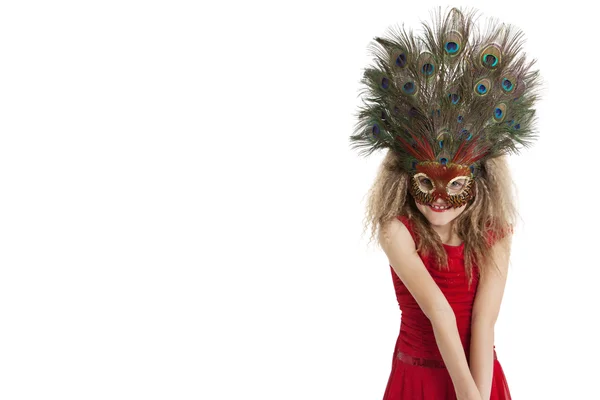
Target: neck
<point x="445" y="232"/>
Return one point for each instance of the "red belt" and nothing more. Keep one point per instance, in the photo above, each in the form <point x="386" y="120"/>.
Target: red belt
<point x="424" y="362"/>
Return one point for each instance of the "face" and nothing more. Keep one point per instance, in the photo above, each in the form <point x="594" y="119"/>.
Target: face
<point x="442" y="192"/>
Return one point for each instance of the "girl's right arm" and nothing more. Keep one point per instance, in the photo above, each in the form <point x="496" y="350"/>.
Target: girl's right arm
<point x="400" y="248"/>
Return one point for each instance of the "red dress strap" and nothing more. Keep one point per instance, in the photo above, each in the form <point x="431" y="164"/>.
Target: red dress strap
<point x="492" y="239"/>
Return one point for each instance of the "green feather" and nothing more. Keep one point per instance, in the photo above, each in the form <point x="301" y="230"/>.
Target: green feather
<point x="451" y="78"/>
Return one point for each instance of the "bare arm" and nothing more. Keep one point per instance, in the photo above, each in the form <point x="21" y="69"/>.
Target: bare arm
<point x="485" y="313"/>
<point x="397" y="243"/>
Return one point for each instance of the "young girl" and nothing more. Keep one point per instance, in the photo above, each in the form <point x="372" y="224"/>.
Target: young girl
<point x="448" y="107"/>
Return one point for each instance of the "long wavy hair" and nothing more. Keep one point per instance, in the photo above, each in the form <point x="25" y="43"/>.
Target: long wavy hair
<point x="492" y="212"/>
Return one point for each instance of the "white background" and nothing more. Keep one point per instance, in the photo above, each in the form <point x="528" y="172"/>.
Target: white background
<point x="181" y="212"/>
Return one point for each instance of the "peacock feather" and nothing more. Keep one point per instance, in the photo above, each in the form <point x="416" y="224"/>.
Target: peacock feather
<point x="455" y="94"/>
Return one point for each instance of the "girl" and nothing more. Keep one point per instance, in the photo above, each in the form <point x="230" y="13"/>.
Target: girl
<point x="448" y="107"/>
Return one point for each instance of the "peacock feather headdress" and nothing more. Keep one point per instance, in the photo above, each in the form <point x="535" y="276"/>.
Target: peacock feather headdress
<point x="448" y="100"/>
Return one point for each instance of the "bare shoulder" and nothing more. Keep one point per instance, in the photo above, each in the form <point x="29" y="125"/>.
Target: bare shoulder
<point x="395" y="235"/>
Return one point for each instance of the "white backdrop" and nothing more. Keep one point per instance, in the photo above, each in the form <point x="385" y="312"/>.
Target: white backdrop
<point x="181" y="212"/>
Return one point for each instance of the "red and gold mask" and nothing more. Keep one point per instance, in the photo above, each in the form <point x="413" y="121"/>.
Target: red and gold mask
<point x="451" y="182"/>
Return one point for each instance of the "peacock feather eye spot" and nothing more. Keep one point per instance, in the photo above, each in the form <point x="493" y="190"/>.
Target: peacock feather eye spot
<point x="460" y="118"/>
<point x="385" y="83"/>
<point x="482" y="87"/>
<point x="441" y="144"/>
<point x="490" y="60"/>
<point x="507" y="85"/>
<point x="375" y="130"/>
<point x="409" y="88"/>
<point x="454" y="98"/>
<point x="472" y="169"/>
<point x="401" y="60"/>
<point x="383" y="116"/>
<point x="428" y="68"/>
<point x="499" y="112"/>
<point x="465" y="132"/>
<point x="414" y="164"/>
<point x="517" y="126"/>
<point x="451" y="47"/>
<point x="443" y="161"/>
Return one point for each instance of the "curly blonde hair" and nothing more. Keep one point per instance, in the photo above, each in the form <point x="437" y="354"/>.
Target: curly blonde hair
<point x="493" y="212"/>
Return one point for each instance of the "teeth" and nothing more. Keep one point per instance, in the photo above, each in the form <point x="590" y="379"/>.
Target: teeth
<point x="440" y="207"/>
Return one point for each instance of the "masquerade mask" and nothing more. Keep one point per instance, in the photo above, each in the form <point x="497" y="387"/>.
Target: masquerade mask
<point x="447" y="101"/>
<point x="451" y="182"/>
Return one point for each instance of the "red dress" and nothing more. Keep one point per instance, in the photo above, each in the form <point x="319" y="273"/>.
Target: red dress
<point x="418" y="371"/>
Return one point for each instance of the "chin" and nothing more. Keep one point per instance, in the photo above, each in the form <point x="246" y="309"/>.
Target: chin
<point x="440" y="218"/>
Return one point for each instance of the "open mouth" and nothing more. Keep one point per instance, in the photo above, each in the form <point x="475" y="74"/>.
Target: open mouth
<point x="439" y="208"/>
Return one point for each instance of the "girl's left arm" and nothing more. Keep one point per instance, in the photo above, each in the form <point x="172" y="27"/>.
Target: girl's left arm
<point x="485" y="313"/>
